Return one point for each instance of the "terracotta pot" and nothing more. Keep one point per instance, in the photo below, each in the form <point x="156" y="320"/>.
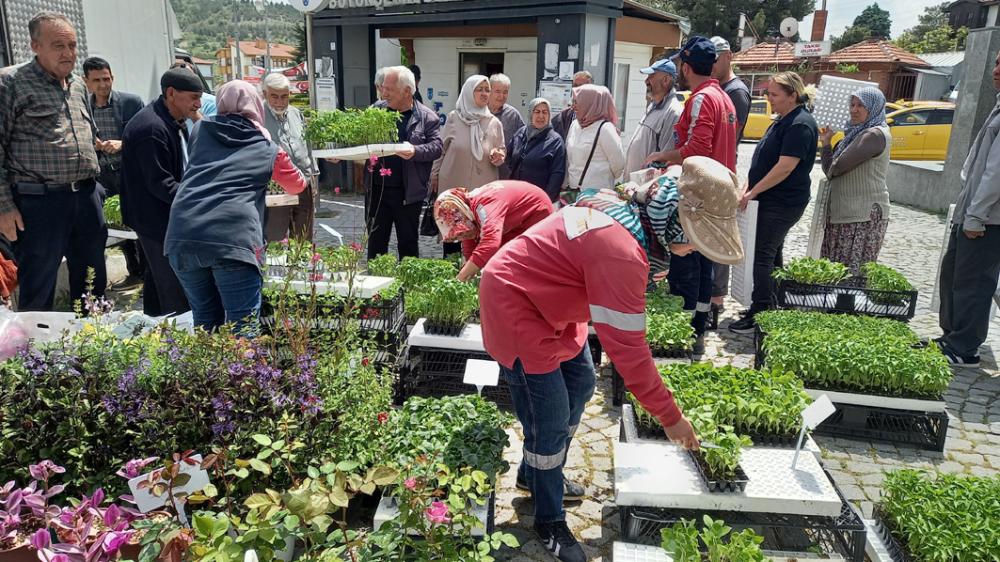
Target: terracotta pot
<point x="20" y="554"/>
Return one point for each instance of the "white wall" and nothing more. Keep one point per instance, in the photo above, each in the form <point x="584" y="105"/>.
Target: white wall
<point x="134" y="36"/>
<point x="386" y="51"/>
<point x="636" y="56"/>
<point x="439" y="65"/>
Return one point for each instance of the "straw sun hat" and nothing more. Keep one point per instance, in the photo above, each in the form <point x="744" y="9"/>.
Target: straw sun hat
<point x="709" y="197"/>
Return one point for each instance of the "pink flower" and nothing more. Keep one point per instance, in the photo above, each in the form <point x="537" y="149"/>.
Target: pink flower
<point x="113" y="541"/>
<point x="372" y="159"/>
<point x="315" y="259"/>
<point x="337" y="190"/>
<point x="355" y="246"/>
<point x="134" y="467"/>
<point x="437" y="513"/>
<point x="41" y="539"/>
<point x="284" y="241"/>
<point x="385" y="172"/>
<point x="410" y="483"/>
<point x="44" y="470"/>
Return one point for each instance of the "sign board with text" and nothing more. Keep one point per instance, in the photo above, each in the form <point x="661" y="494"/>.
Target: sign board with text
<point x="812" y="48"/>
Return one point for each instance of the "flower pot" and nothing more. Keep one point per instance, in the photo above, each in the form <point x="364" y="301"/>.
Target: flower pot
<point x="24" y="553"/>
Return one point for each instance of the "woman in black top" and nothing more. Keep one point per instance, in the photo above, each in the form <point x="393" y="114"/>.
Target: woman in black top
<point x="779" y="181"/>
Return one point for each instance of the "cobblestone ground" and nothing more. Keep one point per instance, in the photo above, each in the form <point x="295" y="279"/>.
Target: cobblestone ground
<point x="912" y="245"/>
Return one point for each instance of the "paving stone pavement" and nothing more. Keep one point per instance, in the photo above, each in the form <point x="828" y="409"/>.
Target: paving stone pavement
<point x="912" y="245"/>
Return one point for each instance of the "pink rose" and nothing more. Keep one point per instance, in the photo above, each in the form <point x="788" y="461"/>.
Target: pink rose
<point x="410" y="483"/>
<point x="437" y="513"/>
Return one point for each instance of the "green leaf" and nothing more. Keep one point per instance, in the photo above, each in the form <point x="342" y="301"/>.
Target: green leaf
<point x="262" y="440"/>
<point x="260" y="466"/>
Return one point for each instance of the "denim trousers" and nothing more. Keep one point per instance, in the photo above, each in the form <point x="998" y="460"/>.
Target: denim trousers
<point x="691" y="277"/>
<point x="549" y="407"/>
<point x="220" y="291"/>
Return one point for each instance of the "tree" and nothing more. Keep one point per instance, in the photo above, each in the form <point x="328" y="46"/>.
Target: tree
<point x="722" y="17"/>
<point x="876" y="20"/>
<point x="853" y="34"/>
<point x="301" y="47"/>
<point x="933" y="34"/>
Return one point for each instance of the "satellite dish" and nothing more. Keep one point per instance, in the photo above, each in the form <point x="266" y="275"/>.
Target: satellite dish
<point x="789" y="27"/>
<point x="309" y="5"/>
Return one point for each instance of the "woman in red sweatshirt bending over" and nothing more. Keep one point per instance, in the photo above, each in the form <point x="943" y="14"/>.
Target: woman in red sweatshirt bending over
<point x="485" y="219"/>
<point x="590" y="261"/>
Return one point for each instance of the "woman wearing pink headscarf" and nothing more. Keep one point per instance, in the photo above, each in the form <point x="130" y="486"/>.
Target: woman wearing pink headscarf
<point x="215" y="237"/>
<point x="594" y="155"/>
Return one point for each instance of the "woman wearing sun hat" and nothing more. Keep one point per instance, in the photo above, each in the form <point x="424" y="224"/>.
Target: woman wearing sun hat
<point x="591" y="261"/>
<point x="485" y="219"/>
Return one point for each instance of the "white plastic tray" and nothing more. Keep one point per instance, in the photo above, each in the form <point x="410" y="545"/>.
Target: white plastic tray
<point x="122" y="234"/>
<point x="657" y="475"/>
<point x="387" y="510"/>
<point x="362" y="152"/>
<point x="628" y="552"/>
<point x="875" y="549"/>
<point x="365" y="286"/>
<point x="471" y="338"/>
<point x="879" y="401"/>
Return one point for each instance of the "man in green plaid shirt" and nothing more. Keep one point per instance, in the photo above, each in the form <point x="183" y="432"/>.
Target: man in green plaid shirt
<point x="48" y="164"/>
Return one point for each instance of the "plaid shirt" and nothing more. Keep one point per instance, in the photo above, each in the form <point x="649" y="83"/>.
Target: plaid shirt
<point x="46" y="132"/>
<point x="108" y="128"/>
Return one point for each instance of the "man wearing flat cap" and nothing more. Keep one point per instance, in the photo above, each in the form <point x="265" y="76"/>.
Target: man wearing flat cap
<point x="656" y="130"/>
<point x="154" y="154"/>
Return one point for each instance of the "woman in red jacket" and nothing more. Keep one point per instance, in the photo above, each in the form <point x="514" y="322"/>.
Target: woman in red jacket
<point x="590" y="262"/>
<point x="485" y="219"/>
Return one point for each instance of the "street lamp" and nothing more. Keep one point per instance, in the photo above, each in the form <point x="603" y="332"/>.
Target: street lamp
<point x="260" y="5"/>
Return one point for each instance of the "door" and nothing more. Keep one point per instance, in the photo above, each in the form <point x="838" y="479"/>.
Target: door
<point x="938" y="134"/>
<point x="909" y="133"/>
<point x="479" y="63"/>
<point x="519" y="66"/>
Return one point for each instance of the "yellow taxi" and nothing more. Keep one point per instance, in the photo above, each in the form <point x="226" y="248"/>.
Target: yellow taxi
<point x="921" y="132"/>
<point x="683" y="95"/>
<point x="758" y="120"/>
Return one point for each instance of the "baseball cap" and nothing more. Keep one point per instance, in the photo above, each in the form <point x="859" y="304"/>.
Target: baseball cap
<point x="720" y="44"/>
<point x="698" y="51"/>
<point x="662" y="65"/>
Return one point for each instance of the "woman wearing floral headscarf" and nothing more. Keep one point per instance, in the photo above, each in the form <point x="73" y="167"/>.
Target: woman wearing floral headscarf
<point x="473" y="144"/>
<point x="856" y="177"/>
<point x="594" y="155"/>
<point x="486" y="218"/>
<point x="215" y="237"/>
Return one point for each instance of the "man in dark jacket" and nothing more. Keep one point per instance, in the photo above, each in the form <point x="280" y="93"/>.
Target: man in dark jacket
<point x="397" y="185"/>
<point x="112" y="110"/>
<point x="154" y="155"/>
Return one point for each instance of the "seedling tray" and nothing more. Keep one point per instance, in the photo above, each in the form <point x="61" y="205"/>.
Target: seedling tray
<point x="844" y="535"/>
<point x="636" y="429"/>
<point x="736" y="483"/>
<point x="630" y="552"/>
<point x="849" y="297"/>
<point x="895" y="547"/>
<point x="435" y="372"/>
<point x="441" y="329"/>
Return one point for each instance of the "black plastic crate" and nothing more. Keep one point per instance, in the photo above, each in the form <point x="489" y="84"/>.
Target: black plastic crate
<point x="895" y="546"/>
<point x="848" y="297"/>
<point x="441" y="329"/>
<point x="844" y="535"/>
<point x="436" y="372"/>
<point x="736" y="484"/>
<point x="633" y="429"/>
<point x="925" y="430"/>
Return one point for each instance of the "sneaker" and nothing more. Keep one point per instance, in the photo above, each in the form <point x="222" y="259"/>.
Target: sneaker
<point x="745" y="325"/>
<point x="557" y="539"/>
<point x="571" y="490"/>
<point x="956" y="360"/>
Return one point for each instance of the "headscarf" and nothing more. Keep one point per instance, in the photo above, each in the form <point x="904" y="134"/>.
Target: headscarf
<point x="473" y="115"/>
<point x="658" y="212"/>
<point x="453" y="214"/>
<point x="240" y="97"/>
<point x="533" y="131"/>
<point x="874" y="101"/>
<point x="594" y="103"/>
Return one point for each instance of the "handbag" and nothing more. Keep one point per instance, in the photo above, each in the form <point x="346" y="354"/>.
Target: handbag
<point x="593" y="147"/>
<point x="428" y="227"/>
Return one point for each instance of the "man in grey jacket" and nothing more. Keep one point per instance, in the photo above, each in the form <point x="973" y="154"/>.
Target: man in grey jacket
<point x="506" y="113"/>
<point x="971" y="264"/>
<point x="284" y="122"/>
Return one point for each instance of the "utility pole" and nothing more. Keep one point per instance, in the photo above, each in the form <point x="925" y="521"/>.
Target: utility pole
<point x="261" y="6"/>
<point x="237" y="54"/>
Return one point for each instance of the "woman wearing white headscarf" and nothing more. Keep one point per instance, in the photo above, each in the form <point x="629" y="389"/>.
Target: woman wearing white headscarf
<point x="215" y="237"/>
<point x="856" y="177"/>
<point x="473" y="144"/>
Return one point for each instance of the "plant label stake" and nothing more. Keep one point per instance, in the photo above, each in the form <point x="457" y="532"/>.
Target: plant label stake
<point x="146" y="501"/>
<point x="481" y="373"/>
<point x="334" y="233"/>
<point x="812" y="416"/>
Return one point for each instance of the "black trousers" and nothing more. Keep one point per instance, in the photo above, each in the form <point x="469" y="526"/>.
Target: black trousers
<point x="969" y="272"/>
<point x="773" y="224"/>
<point x="59" y="224"/>
<point x="385" y="208"/>
<point x="161" y="292"/>
<point x="690" y="277"/>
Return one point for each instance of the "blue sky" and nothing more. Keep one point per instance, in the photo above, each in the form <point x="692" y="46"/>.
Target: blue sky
<point x="904" y="14"/>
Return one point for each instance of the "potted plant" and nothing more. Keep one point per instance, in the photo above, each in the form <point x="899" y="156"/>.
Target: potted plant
<point x="887" y="286"/>
<point x="446" y="306"/>
<point x="113" y="213"/>
<point x="810" y="276"/>
<point x="683" y="542"/>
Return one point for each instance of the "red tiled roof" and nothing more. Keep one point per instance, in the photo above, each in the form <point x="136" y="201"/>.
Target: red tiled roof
<point x="764" y="54"/>
<point x="197" y="60"/>
<point x="874" y="50"/>
<point x="277" y="49"/>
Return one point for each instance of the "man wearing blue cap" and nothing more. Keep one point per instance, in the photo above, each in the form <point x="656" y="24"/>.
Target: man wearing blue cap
<point x="656" y="130"/>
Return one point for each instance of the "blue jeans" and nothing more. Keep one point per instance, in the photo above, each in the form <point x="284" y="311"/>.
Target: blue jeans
<point x="691" y="277"/>
<point x="220" y="291"/>
<point x="549" y="407"/>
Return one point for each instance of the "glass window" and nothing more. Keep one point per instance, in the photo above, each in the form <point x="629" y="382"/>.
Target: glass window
<point x="759" y="107"/>
<point x="912" y="118"/>
<point x="941" y="117"/>
<point x="621" y="92"/>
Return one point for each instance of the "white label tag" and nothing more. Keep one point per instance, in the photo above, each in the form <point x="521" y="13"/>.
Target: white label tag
<point x="480" y="373"/>
<point x="819" y="410"/>
<point x="146" y="501"/>
<point x="581" y="219"/>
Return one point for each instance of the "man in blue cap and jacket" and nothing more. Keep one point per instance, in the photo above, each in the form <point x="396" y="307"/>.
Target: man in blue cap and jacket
<point x="656" y="130"/>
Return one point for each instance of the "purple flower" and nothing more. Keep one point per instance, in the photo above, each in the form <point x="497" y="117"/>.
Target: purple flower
<point x="44" y="470"/>
<point x="41" y="539"/>
<point x="134" y="467"/>
<point x="111" y="515"/>
<point x="114" y="540"/>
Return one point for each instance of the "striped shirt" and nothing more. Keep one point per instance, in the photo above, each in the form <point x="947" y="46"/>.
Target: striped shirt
<point x="46" y="131"/>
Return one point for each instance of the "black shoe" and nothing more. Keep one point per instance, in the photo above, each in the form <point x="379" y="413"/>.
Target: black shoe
<point x="557" y="539"/>
<point x="128" y="282"/>
<point x="572" y="491"/>
<point x="745" y="325"/>
<point x="956" y="360"/>
<point x="698" y="349"/>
